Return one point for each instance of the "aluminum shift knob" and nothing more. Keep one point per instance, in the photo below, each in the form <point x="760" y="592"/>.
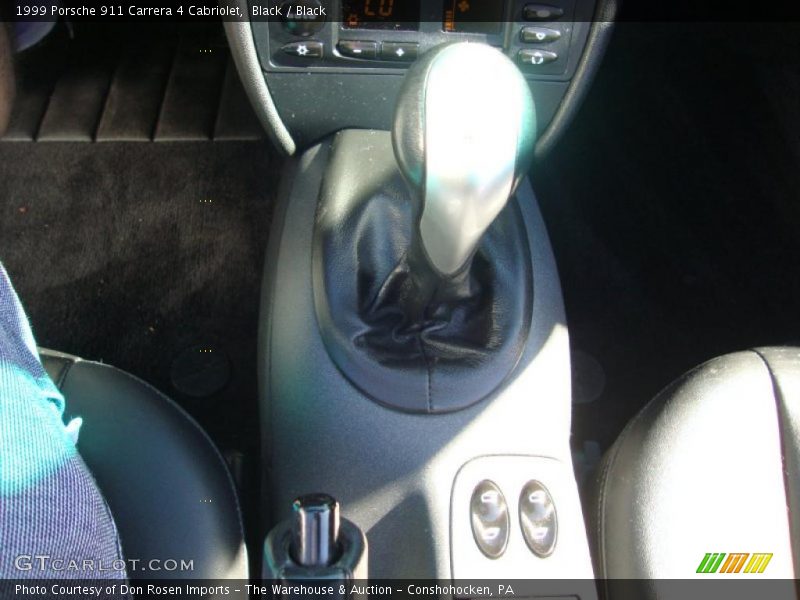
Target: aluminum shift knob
<point x="463" y="135"/>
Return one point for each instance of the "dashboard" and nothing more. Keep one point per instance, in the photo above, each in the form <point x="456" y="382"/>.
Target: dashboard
<point x="335" y="64"/>
<point x="386" y="35"/>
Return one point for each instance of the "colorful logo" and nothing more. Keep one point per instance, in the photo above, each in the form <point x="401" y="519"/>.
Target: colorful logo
<point x="719" y="562"/>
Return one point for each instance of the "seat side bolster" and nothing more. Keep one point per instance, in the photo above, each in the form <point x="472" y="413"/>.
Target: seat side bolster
<point x="784" y="367"/>
<point x="165" y="482"/>
<point x="674" y="484"/>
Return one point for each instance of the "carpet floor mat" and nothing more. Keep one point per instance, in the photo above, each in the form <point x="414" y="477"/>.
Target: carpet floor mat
<point x="134" y="254"/>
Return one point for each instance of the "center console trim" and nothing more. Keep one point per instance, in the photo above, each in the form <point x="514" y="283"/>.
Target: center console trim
<point x="319" y="431"/>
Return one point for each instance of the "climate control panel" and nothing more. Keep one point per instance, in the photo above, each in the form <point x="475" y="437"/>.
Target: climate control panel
<point x="384" y="36"/>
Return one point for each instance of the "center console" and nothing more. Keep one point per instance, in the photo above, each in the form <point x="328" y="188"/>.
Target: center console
<point x="413" y="348"/>
<point x="413" y="481"/>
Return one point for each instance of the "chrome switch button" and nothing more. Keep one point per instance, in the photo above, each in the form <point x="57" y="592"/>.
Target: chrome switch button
<point x="536" y="57"/>
<point x="309" y="49"/>
<point x="358" y="49"/>
<point x="537" y="515"/>
<point x="490" y="520"/>
<point x="399" y="51"/>
<point x="539" y="35"/>
<point x="542" y="12"/>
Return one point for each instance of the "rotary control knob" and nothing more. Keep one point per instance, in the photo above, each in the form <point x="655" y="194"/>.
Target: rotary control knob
<point x="303" y="18"/>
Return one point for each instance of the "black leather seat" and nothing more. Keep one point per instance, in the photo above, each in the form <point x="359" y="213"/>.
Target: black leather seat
<point x="711" y="465"/>
<point x="166" y="484"/>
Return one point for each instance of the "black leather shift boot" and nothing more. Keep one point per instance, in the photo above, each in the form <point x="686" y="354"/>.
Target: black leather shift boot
<point x="403" y="336"/>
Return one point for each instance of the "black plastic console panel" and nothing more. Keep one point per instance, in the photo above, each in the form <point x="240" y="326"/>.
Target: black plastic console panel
<point x="310" y="97"/>
<point x="335" y="45"/>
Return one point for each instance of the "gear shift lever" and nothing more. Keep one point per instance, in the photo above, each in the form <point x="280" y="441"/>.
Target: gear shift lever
<point x="422" y="281"/>
<point x="463" y="136"/>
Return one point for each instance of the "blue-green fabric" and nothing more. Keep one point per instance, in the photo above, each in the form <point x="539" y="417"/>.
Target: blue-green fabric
<point x="54" y="521"/>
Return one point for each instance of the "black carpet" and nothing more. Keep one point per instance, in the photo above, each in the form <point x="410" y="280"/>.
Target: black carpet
<point x="130" y="253"/>
<point x="673" y="204"/>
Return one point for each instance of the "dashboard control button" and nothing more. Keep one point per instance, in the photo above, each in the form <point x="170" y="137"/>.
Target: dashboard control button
<point x="358" y="49"/>
<point x="537" y="516"/>
<point x="400" y="51"/>
<point x="539" y="35"/>
<point x="536" y="57"/>
<point x="490" y="520"/>
<point x="306" y="49"/>
<point x="542" y="12"/>
<point x="303" y="18"/>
